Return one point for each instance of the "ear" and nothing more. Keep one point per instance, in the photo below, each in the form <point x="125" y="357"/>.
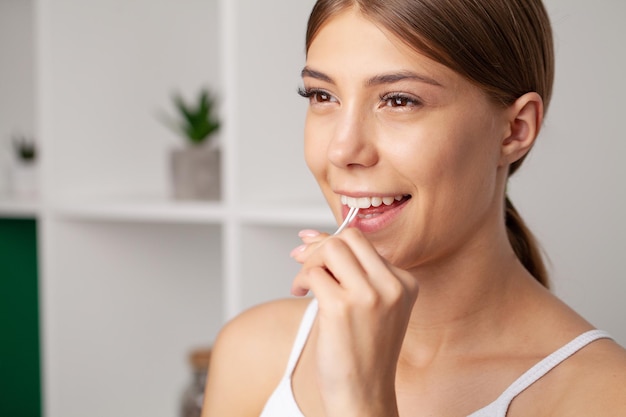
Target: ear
<point x="524" y="123"/>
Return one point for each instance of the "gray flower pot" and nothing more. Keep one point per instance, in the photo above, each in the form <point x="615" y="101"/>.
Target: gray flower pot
<point x="196" y="173"/>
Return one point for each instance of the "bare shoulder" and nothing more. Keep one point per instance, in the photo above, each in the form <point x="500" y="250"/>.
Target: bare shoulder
<point x="596" y="381"/>
<point x="249" y="358"/>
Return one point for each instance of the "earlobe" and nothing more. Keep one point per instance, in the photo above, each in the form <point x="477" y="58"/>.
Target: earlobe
<point x="525" y="119"/>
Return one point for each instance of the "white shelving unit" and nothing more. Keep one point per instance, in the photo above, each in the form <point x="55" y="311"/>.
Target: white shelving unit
<point x="19" y="208"/>
<point x="131" y="281"/>
<point x="144" y="211"/>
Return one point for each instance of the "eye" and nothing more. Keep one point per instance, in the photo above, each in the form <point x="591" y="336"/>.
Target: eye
<point x="316" y="95"/>
<point x="400" y="100"/>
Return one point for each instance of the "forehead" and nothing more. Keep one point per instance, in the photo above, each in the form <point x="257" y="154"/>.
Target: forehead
<point x="350" y="42"/>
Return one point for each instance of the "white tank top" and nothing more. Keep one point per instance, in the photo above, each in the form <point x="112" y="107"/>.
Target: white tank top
<point x="283" y="404"/>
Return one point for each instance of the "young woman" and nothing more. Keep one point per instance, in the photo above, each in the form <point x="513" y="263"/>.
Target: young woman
<point x="435" y="301"/>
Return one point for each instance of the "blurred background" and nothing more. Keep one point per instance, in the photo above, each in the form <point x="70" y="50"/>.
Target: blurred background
<point x="117" y="267"/>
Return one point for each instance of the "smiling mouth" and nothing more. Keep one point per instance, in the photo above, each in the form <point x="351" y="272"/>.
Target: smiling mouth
<point x="365" y="203"/>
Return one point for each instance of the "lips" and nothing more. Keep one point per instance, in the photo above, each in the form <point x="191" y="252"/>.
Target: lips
<point x="375" y="212"/>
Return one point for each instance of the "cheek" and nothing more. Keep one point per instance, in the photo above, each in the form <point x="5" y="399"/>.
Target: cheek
<point x="476" y="154"/>
<point x="452" y="161"/>
<point x="419" y="152"/>
<point x="314" y="150"/>
<point x="464" y="148"/>
<point x="463" y="178"/>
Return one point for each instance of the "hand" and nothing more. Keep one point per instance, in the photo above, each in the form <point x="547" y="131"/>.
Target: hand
<point x="364" y="308"/>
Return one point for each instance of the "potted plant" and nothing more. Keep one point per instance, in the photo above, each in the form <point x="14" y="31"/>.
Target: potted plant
<point x="196" y="167"/>
<point x="24" y="177"/>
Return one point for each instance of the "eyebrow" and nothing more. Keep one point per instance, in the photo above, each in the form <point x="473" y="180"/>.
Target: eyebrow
<point x="311" y="73"/>
<point x="401" y="76"/>
<point x="389" y="78"/>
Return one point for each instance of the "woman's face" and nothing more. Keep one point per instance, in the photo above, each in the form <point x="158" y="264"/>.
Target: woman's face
<point x="410" y="141"/>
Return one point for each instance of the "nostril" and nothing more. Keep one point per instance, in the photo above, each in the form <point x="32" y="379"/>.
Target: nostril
<point x="352" y="150"/>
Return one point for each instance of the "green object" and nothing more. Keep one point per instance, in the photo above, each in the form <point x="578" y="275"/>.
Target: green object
<point x="25" y="148"/>
<point x="197" y="121"/>
<point x="20" y="392"/>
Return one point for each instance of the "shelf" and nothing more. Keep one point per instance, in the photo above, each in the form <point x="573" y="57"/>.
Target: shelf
<point x="298" y="215"/>
<point x="142" y="210"/>
<point x="171" y="211"/>
<point x="23" y="208"/>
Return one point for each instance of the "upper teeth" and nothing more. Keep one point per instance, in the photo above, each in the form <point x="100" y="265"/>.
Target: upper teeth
<point x="367" y="202"/>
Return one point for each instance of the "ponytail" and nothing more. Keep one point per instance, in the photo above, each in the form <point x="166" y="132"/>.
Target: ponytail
<point x="524" y="244"/>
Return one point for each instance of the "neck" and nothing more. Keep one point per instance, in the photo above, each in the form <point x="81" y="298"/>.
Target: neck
<point x="470" y="299"/>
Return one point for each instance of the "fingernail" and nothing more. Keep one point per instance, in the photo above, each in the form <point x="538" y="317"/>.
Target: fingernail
<point x="308" y="233"/>
<point x="297" y="251"/>
<point x="299" y="292"/>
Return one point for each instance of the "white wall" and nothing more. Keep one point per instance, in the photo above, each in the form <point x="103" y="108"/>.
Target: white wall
<point x="571" y="190"/>
<point x="17" y="82"/>
<point x="266" y="53"/>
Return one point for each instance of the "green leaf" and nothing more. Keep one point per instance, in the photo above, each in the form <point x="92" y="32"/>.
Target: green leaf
<point x="197" y="121"/>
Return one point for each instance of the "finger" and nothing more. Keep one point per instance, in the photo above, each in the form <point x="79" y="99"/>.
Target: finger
<point x="386" y="278"/>
<point x="310" y="235"/>
<point x="309" y="238"/>
<point x="333" y="256"/>
<point x="336" y="256"/>
<point x="317" y="280"/>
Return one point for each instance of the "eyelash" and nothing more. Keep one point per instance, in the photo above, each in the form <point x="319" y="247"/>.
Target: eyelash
<point x="312" y="93"/>
<point x="406" y="100"/>
<point x="387" y="99"/>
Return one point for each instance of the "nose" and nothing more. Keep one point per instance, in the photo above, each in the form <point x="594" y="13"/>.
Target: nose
<point x="353" y="144"/>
